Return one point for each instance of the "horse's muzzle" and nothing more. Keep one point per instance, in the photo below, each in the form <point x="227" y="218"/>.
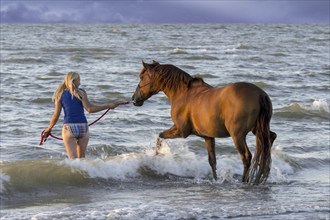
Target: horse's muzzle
<point x="137" y="102"/>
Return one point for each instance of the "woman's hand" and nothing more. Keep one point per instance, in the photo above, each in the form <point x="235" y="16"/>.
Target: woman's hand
<point x="113" y="105"/>
<point x="47" y="132"/>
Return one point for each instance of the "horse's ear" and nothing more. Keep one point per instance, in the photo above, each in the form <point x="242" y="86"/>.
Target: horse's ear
<point x="145" y="65"/>
<point x="155" y="62"/>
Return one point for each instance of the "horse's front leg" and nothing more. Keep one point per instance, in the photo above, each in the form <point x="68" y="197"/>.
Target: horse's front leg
<point x="173" y="132"/>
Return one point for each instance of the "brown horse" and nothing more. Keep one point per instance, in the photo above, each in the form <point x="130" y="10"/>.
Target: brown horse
<point x="200" y="109"/>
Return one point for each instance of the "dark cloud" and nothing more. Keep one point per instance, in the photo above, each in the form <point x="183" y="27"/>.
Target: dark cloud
<point x="180" y="11"/>
<point x="21" y="12"/>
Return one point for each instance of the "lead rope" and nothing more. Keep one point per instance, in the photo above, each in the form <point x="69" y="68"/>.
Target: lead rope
<point x="43" y="139"/>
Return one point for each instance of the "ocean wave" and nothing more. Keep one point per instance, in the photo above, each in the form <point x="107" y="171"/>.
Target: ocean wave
<point x="189" y="51"/>
<point x="178" y="162"/>
<point x="45" y="77"/>
<point x="239" y="47"/>
<point x="4" y="180"/>
<point x="202" y="57"/>
<point x="319" y="108"/>
<point x="243" y="46"/>
<point x="261" y="84"/>
<point x="54" y="73"/>
<point x="77" y="49"/>
<point x="179" y="51"/>
<point x="279" y="54"/>
<point x="76" y="58"/>
<point x="41" y="100"/>
<point x="255" y="59"/>
<point x="314" y="39"/>
<point x="31" y="59"/>
<point x="29" y="175"/>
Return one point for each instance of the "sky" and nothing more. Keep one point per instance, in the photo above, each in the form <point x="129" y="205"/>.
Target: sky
<point x="165" y="11"/>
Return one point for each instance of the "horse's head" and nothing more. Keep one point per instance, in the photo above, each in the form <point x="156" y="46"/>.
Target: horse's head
<point x="146" y="88"/>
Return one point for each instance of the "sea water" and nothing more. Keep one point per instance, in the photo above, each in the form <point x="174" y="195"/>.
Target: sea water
<point x="121" y="177"/>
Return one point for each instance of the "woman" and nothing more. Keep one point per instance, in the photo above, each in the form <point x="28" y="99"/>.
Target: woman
<point x="73" y="100"/>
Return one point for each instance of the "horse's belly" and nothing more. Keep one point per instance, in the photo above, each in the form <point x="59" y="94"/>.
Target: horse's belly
<point x="210" y="127"/>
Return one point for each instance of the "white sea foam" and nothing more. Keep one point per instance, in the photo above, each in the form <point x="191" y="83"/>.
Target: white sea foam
<point x="190" y="50"/>
<point x="281" y="167"/>
<point x="320" y="105"/>
<point x="175" y="161"/>
<point x="127" y="165"/>
<point x="118" y="167"/>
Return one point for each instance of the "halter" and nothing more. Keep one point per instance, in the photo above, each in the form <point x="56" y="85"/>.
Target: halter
<point x="146" y="83"/>
<point x="143" y="85"/>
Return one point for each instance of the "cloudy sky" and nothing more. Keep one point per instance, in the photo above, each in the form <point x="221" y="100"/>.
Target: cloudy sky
<point x="165" y="11"/>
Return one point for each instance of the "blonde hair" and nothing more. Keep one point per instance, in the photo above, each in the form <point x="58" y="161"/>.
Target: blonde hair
<point x="68" y="85"/>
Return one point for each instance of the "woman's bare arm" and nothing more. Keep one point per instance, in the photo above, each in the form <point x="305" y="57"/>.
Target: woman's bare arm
<point x="91" y="108"/>
<point x="56" y="115"/>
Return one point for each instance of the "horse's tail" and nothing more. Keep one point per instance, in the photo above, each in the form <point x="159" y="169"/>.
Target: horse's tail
<point x="262" y="156"/>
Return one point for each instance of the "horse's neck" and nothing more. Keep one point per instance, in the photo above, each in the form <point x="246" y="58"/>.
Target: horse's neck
<point x="174" y="94"/>
<point x="183" y="90"/>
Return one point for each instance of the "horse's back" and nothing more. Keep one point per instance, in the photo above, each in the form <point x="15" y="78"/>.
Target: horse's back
<point x="236" y="97"/>
<point x="242" y="93"/>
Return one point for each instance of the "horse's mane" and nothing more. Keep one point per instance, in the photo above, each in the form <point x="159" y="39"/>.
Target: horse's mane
<point x="172" y="77"/>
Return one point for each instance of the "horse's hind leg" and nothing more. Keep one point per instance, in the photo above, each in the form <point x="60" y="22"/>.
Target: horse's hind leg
<point x="246" y="156"/>
<point x="210" y="146"/>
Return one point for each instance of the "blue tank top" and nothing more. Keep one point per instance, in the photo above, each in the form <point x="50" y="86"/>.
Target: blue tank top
<point x="73" y="108"/>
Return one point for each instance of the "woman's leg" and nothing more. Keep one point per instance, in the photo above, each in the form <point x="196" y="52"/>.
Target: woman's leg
<point x="70" y="143"/>
<point x="82" y="145"/>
